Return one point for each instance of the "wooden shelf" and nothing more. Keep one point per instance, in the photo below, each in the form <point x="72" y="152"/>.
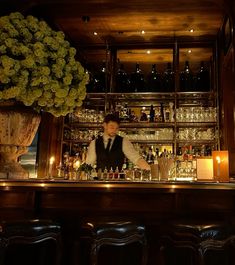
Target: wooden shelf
<point x="195" y="124"/>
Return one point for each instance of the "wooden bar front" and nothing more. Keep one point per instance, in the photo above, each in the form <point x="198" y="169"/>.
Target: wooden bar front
<point x="72" y="203"/>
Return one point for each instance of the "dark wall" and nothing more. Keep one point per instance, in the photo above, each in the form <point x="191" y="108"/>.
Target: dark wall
<point x="227" y="87"/>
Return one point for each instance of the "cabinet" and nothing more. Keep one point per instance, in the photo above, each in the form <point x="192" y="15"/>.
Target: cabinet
<point x="183" y="120"/>
<point x="192" y="121"/>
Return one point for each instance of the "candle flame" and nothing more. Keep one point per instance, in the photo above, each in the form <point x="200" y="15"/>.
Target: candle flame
<point x="218" y="159"/>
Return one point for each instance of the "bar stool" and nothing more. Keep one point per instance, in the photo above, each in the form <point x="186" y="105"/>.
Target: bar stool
<point x="218" y="245"/>
<point x="116" y="243"/>
<point x="203" y="244"/>
<point x="28" y="242"/>
<point x="179" y="244"/>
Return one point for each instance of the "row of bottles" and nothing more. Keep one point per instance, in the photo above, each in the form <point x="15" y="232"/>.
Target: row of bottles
<point x="190" y="81"/>
<point x="164" y="165"/>
<point x="136" y="82"/>
<point x="155" y="81"/>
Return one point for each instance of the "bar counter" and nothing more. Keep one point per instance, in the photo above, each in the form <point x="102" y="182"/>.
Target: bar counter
<point x="143" y="201"/>
<point x="150" y="203"/>
<point x="108" y="185"/>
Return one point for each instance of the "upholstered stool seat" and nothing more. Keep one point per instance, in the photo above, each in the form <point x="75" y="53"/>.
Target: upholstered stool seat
<point x="179" y="244"/>
<point x="30" y="242"/>
<point x="198" y="244"/>
<point x="116" y="243"/>
<point x="217" y="245"/>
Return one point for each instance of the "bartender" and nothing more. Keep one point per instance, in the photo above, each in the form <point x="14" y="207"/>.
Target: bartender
<point x="109" y="151"/>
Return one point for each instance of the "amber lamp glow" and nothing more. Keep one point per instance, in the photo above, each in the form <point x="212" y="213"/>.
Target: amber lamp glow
<point x="220" y="166"/>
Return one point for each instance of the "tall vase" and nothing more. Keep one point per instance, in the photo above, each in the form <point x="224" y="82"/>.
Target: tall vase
<point x="18" y="126"/>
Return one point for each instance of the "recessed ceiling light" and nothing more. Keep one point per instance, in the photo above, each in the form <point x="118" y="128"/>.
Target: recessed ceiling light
<point x="191" y="30"/>
<point x="142" y="32"/>
<point x="95" y="33"/>
<point x="148" y="52"/>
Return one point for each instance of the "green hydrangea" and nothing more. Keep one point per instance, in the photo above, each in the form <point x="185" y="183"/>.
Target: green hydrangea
<point x="38" y="66"/>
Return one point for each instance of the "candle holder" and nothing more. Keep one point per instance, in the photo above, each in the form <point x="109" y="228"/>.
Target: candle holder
<point x="220" y="166"/>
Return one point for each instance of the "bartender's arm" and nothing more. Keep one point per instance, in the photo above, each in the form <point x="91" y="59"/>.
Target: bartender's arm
<point x="132" y="154"/>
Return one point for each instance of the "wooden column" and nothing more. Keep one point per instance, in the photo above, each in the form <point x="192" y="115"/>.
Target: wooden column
<point x="50" y="143"/>
<point x="228" y="92"/>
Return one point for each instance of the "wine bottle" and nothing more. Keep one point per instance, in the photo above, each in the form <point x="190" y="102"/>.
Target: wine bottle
<point x="137" y="80"/>
<point x="168" y="79"/>
<point x="154" y="80"/>
<point x="203" y="79"/>
<point x="151" y="114"/>
<point x="150" y="156"/>
<point x="186" y="78"/>
<point x="122" y="80"/>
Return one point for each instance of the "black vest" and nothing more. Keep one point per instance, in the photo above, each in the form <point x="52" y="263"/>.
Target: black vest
<point x="114" y="158"/>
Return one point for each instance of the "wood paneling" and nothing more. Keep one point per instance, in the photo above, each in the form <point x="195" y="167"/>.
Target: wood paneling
<point x="122" y="22"/>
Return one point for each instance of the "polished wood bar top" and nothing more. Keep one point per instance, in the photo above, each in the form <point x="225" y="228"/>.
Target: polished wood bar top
<point x="115" y="185"/>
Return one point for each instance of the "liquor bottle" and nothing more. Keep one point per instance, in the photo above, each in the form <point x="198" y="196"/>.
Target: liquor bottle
<point x="143" y="116"/>
<point x="124" y="166"/>
<point x="105" y="174"/>
<point x="151" y="114"/>
<point x="154" y="80"/>
<point x="203" y="79"/>
<point x="116" y="173"/>
<point x="156" y="152"/>
<point x="122" y="80"/>
<point x="111" y="174"/>
<point x="168" y="79"/>
<point x="100" y="79"/>
<point x="137" y="82"/>
<point x="186" y="78"/>
<point x="122" y="174"/>
<point x="150" y="156"/>
<point x="162" y="116"/>
<point x="94" y="174"/>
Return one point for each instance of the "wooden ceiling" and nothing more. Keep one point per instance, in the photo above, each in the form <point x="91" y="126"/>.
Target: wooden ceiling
<point x="121" y="22"/>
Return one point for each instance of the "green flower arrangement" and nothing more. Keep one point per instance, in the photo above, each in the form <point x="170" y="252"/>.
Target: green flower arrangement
<point x="38" y="66"/>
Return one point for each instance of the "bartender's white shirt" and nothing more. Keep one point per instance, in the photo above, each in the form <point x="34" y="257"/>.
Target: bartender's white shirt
<point x="127" y="147"/>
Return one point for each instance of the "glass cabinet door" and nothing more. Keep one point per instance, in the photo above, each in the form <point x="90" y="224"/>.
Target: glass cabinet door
<point x="195" y="69"/>
<point x="148" y="70"/>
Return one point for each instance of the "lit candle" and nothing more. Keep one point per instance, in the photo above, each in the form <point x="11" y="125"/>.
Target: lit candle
<point x="218" y="165"/>
<point x="51" y="162"/>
